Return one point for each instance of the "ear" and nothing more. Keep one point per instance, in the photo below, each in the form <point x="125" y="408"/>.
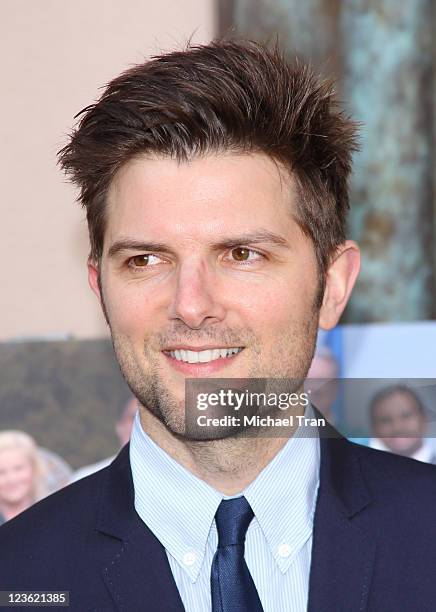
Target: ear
<point x="93" y="275"/>
<point x="94" y="280"/>
<point x="340" y="279"/>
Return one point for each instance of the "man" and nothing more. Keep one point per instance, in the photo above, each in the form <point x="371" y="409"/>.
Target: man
<point x="399" y="424"/>
<point x="323" y="381"/>
<point x="215" y="184"/>
<point x="123" y="429"/>
<point x="324" y="369"/>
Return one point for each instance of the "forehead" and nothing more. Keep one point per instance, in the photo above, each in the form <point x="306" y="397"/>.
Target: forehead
<point x="396" y="402"/>
<point x="208" y="195"/>
<point x="13" y="455"/>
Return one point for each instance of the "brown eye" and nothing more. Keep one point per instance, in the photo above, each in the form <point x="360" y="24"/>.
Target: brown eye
<point x="140" y="261"/>
<point x="146" y="260"/>
<point x="241" y="254"/>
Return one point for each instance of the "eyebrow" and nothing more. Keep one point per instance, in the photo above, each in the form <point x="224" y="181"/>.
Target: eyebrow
<point x="257" y="237"/>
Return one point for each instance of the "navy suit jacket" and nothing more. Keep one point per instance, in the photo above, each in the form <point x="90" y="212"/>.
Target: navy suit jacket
<point x="374" y="541"/>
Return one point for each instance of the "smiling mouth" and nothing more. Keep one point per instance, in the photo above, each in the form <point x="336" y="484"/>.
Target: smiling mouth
<point x="206" y="356"/>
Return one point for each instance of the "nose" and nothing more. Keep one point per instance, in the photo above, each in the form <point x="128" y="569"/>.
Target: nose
<point x="196" y="300"/>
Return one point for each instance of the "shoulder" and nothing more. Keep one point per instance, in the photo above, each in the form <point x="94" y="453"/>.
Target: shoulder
<point x="52" y="528"/>
<point x="382" y="465"/>
<point x="87" y="470"/>
<point x="357" y="473"/>
<point x="388" y="498"/>
<point x="399" y="484"/>
<point x="66" y="539"/>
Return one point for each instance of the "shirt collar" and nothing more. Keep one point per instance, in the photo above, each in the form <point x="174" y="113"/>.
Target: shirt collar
<point x="179" y="508"/>
<point x="283" y="496"/>
<point x="424" y="453"/>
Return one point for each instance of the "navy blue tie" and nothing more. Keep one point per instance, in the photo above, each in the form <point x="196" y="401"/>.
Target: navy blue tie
<point x="232" y="586"/>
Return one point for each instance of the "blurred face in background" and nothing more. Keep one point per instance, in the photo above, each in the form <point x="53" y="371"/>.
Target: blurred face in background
<point x="399" y="423"/>
<point x="124" y="424"/>
<point x="324" y="372"/>
<point x="17" y="476"/>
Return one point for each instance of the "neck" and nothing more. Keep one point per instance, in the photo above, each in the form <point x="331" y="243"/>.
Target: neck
<point x="228" y="465"/>
<point x="11" y="510"/>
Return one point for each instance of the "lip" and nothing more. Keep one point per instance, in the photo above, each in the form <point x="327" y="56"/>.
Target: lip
<point x="198" y="370"/>
<point x="185" y="347"/>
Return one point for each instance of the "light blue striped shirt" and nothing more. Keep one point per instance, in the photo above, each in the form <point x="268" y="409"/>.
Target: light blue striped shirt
<point x="179" y="509"/>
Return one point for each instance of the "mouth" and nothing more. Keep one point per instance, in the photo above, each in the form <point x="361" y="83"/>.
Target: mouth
<point x="200" y="361"/>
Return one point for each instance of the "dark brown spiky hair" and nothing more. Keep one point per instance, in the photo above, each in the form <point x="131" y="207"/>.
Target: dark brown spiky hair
<point x="223" y="96"/>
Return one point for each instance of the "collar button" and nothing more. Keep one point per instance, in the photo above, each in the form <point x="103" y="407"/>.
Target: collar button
<point x="284" y="550"/>
<point x="189" y="558"/>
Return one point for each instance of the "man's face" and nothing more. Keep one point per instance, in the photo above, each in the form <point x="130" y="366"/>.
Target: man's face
<point x="398" y="422"/>
<point x="200" y="258"/>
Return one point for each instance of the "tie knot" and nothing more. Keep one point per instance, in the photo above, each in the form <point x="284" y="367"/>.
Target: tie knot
<point x="232" y="519"/>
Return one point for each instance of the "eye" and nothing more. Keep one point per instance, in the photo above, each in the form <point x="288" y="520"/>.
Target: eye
<point x="244" y="254"/>
<point x="145" y="260"/>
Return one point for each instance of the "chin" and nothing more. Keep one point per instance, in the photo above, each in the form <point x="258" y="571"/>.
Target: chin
<point x="15" y="499"/>
<point x="403" y="446"/>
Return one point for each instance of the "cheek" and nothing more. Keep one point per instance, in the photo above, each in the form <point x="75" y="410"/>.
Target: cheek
<point x="18" y="480"/>
<point x="24" y="478"/>
<point x="28" y="475"/>
<point x="413" y="426"/>
<point x="277" y="306"/>
<point x="384" y="429"/>
<point x="131" y="311"/>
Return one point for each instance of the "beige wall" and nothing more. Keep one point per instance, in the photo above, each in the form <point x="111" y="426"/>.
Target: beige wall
<point x="54" y="57"/>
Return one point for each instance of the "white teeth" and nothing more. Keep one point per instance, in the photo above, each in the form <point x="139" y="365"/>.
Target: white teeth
<point x="216" y="354"/>
<point x="191" y="356"/>
<point x="203" y="356"/>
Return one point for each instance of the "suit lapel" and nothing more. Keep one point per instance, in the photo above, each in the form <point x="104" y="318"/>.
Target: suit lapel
<point x="135" y="566"/>
<point x="342" y="553"/>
